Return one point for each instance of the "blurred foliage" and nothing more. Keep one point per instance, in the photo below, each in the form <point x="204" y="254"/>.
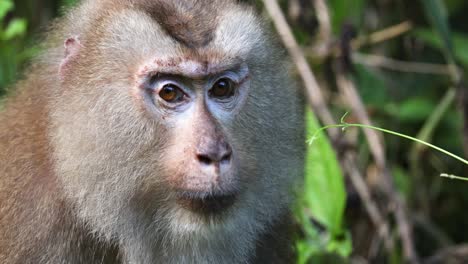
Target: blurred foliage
<point x="21" y="22"/>
<point x="12" y="33"/>
<point x="408" y="102"/>
<point x="460" y="52"/>
<point x="334" y="225"/>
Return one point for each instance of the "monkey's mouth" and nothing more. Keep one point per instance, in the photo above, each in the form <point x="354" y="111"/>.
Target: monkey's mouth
<point x="206" y="204"/>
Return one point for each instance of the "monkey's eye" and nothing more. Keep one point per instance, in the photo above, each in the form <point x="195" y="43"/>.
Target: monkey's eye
<point x="222" y="89"/>
<point x="171" y="93"/>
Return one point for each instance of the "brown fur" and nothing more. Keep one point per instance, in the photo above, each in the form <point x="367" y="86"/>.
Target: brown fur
<point x="90" y="165"/>
<point x="190" y="22"/>
<point x="34" y="215"/>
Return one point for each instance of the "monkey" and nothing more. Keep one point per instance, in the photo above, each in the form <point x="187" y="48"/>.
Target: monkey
<point x="152" y="131"/>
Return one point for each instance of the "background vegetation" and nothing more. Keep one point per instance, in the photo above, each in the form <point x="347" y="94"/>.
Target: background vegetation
<point x="368" y="197"/>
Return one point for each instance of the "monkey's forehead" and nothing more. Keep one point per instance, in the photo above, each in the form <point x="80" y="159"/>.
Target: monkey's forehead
<point x="192" y="24"/>
<point x="126" y="33"/>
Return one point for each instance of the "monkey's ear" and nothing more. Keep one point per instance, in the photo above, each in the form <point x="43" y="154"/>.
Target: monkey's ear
<point x="72" y="47"/>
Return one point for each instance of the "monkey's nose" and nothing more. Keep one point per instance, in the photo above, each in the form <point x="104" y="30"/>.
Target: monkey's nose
<point x="214" y="154"/>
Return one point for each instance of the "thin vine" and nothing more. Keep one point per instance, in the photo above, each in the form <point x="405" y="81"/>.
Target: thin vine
<point x="343" y="125"/>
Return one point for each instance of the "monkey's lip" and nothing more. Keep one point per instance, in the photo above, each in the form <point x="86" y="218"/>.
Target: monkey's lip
<point x="206" y="204"/>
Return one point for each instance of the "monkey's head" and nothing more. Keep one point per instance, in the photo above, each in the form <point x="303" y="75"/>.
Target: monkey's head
<point x="180" y="117"/>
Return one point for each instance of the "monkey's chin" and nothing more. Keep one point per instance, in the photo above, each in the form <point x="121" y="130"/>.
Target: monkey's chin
<point x="211" y="204"/>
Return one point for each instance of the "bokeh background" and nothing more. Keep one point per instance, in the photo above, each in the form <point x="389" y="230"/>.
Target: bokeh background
<point x="368" y="197"/>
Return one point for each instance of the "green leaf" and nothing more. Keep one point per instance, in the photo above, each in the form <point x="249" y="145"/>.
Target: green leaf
<point x="345" y="11"/>
<point x="17" y="27"/>
<point x="342" y="247"/>
<point x="402" y="180"/>
<point x="68" y="3"/>
<point x="436" y="12"/>
<point x="411" y="110"/>
<point x="324" y="194"/>
<point x="372" y="87"/>
<point x="5" y="7"/>
<point x="460" y="42"/>
<point x="305" y="251"/>
<point x="323" y="198"/>
<point x="454" y="5"/>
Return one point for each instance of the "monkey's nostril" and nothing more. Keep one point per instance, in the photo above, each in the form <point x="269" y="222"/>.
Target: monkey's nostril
<point x="214" y="154"/>
<point x="214" y="158"/>
<point x="227" y="157"/>
<point x="204" y="159"/>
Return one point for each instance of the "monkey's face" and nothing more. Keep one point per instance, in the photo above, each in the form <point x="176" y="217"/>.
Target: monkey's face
<point x="166" y="132"/>
<point x="197" y="101"/>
